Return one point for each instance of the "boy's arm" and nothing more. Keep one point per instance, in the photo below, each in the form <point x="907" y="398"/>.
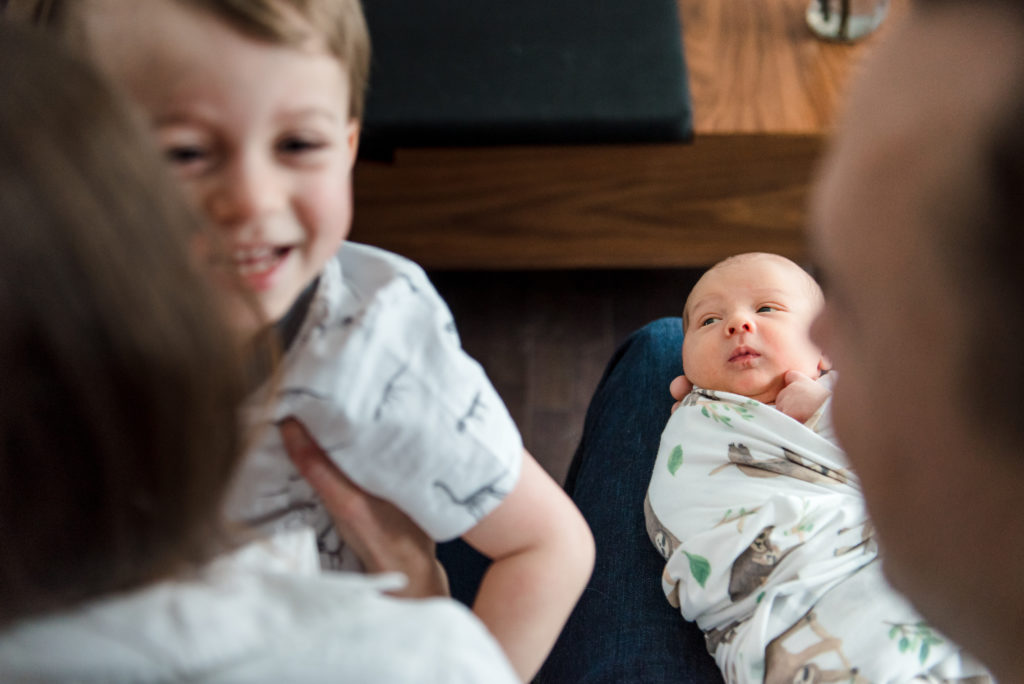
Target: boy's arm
<point x="542" y="552"/>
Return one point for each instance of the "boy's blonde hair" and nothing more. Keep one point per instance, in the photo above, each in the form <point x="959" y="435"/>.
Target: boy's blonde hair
<point x="339" y="24"/>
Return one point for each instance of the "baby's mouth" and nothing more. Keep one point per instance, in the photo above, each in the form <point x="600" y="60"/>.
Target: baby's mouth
<point x="743" y="354"/>
<point x="251" y="261"/>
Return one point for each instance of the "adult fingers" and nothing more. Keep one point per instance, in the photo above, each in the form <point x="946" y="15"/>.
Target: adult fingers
<point x="680" y="387"/>
<point x="346" y="502"/>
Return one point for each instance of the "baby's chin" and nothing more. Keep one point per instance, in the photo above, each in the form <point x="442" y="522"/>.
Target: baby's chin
<point x="764" y="391"/>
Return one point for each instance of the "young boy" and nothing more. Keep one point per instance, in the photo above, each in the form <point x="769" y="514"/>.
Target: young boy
<point x="104" y="424"/>
<point x="257" y="107"/>
<point x="751" y="503"/>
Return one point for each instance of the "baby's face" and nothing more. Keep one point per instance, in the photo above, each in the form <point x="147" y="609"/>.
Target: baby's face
<point x="259" y="135"/>
<point x="749" y="324"/>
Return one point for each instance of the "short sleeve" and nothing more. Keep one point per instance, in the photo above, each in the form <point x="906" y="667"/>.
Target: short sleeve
<point x="377" y="374"/>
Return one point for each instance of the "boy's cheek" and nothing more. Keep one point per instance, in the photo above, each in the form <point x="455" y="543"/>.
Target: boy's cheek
<point x="200" y="249"/>
<point x="240" y="308"/>
<point x="238" y="305"/>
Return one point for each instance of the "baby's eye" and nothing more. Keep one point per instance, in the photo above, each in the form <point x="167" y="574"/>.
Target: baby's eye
<point x="708" y="321"/>
<point x="766" y="309"/>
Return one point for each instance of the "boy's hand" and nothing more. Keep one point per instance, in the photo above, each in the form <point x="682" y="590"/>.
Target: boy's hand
<point x="383" y="537"/>
<point x="800" y="397"/>
<point x="679" y="388"/>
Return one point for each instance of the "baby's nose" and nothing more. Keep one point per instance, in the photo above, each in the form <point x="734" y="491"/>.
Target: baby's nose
<point x="739" y="326"/>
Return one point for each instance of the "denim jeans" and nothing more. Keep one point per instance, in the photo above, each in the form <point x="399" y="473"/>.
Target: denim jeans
<point x="623" y="629"/>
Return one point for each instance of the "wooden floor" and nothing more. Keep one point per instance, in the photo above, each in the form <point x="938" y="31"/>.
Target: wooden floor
<point x="544" y="338"/>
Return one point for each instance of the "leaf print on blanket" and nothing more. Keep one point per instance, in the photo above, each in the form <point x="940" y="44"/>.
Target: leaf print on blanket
<point x="700" y="567"/>
<point x="738" y="517"/>
<point x="716" y="411"/>
<point x="804" y="525"/>
<point x="917" y="637"/>
<point x="675" y="459"/>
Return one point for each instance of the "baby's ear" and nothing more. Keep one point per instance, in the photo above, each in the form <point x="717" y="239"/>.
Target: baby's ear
<point x="824" y="365"/>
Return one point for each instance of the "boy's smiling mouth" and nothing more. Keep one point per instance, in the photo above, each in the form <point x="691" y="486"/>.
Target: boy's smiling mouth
<point x="257" y="264"/>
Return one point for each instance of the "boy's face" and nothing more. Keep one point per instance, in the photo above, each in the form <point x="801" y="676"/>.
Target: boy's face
<point x="749" y="324"/>
<point x="258" y="133"/>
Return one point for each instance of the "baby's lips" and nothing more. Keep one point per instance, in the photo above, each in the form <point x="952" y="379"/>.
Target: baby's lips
<point x="743" y="351"/>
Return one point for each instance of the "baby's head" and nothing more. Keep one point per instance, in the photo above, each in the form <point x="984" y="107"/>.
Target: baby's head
<point x="747" y="322"/>
<point x="256" y="104"/>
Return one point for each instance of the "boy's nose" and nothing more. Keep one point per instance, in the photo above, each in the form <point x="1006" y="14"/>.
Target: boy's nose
<point x="244" y="192"/>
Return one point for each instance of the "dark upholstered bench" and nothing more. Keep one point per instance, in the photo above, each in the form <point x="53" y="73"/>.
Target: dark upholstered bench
<point x="493" y="127"/>
<point x="480" y="72"/>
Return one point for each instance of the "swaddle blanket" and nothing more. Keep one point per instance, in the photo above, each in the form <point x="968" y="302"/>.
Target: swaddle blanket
<point x="769" y="549"/>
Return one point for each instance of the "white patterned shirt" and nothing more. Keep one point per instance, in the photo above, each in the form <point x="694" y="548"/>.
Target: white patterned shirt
<point x="377" y="375"/>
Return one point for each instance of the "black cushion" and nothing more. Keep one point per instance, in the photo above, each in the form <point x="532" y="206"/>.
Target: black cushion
<point x="481" y="72"/>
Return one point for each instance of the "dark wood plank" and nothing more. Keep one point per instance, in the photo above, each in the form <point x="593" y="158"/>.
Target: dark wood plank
<point x="629" y="206"/>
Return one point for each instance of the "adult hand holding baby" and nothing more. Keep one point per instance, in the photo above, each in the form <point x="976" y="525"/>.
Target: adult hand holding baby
<point x="801" y="396"/>
<point x="383" y="537"/>
<point x="679" y="388"/>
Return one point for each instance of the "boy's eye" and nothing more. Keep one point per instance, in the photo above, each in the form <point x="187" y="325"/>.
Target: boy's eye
<point x="765" y="309"/>
<point x="184" y="154"/>
<point x="298" y="145"/>
<point x="708" y="321"/>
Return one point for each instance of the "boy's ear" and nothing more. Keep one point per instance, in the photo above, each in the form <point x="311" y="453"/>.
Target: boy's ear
<point x="352" y="138"/>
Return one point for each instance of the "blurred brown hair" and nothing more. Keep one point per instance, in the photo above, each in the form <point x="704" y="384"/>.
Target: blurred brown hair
<point x="339" y="24"/>
<point x="118" y="404"/>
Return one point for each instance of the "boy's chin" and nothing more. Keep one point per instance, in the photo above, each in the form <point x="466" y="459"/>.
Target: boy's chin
<point x="245" y="314"/>
<point x="246" y="321"/>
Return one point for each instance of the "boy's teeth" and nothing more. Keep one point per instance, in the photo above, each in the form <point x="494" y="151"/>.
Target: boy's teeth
<point x="256" y="259"/>
<point x="252" y="254"/>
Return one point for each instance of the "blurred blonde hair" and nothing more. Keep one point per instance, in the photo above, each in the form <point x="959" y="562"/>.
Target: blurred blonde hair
<point x="339" y="24"/>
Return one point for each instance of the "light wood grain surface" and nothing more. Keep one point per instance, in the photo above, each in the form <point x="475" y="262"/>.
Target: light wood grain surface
<point x="755" y="67"/>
